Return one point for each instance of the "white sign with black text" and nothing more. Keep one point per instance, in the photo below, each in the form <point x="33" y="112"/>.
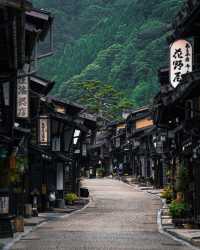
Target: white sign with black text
<point x="4" y="205"/>
<point x="180" y="61"/>
<point x="43" y="131"/>
<point x="23" y="97"/>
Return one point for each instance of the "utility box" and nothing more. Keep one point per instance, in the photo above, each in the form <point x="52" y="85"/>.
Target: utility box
<point x="84" y="192"/>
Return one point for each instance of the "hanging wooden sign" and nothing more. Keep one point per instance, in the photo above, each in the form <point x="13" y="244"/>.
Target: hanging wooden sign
<point x="44" y="131"/>
<point x="180" y="61"/>
<point x="23" y="97"/>
<point x="4" y="205"/>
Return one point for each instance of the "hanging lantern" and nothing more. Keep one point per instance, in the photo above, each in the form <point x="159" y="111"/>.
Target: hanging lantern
<point x="181" y="53"/>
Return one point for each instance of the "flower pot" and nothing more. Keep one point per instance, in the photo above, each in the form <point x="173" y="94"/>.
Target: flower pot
<point x="178" y="222"/>
<point x="19" y="224"/>
<point x="188" y="226"/>
<point x="28" y="210"/>
<point x="180" y="197"/>
<point x="70" y="203"/>
<point x="183" y="223"/>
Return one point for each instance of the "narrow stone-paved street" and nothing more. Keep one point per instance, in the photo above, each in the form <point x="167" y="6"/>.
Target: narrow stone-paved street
<point x="119" y="217"/>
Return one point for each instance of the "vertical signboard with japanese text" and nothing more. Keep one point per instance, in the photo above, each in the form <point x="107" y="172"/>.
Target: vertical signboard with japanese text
<point x="4" y="205"/>
<point x="180" y="61"/>
<point x="23" y="97"/>
<point x="44" y="131"/>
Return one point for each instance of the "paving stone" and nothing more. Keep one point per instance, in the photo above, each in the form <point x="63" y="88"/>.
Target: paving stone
<point x="119" y="217"/>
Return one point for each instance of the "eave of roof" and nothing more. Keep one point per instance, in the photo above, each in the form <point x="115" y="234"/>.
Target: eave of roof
<point x="18" y="4"/>
<point x="53" y="99"/>
<point x="137" y="111"/>
<point x="189" y="87"/>
<point x="44" y="86"/>
<point x="40" y="14"/>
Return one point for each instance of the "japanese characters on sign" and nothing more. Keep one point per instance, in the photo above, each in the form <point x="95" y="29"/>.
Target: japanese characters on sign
<point x="180" y="61"/>
<point x="23" y="97"/>
<point x="4" y="205"/>
<point x="44" y="130"/>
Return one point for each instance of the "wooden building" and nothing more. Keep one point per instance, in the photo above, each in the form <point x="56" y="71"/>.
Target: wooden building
<point x="118" y="143"/>
<point x="22" y="29"/>
<point x="177" y="109"/>
<point x="139" y="129"/>
<point x="88" y="159"/>
<point x="99" y="150"/>
<point x="12" y="61"/>
<point x="55" y="149"/>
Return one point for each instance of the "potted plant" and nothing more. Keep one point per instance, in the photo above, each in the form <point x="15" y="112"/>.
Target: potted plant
<point x="70" y="198"/>
<point x="167" y="194"/>
<point x="100" y="172"/>
<point x="179" y="211"/>
<point x="149" y="181"/>
<point x="182" y="182"/>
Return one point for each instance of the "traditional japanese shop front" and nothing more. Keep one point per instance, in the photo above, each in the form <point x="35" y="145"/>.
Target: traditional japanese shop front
<point x="21" y="30"/>
<point x="56" y="150"/>
<point x="177" y="107"/>
<point x="138" y="123"/>
<point x="188" y="93"/>
<point x="10" y="63"/>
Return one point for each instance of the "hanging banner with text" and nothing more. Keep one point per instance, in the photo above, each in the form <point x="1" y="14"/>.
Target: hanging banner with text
<point x="44" y="131"/>
<point x="23" y="97"/>
<point x="180" y="61"/>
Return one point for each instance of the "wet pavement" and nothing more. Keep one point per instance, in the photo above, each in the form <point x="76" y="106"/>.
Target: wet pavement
<point x="119" y="217"/>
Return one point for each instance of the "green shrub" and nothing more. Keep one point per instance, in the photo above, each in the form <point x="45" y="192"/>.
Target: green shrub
<point x="178" y="209"/>
<point x="71" y="198"/>
<point x="150" y="180"/>
<point x="167" y="194"/>
<point x="182" y="179"/>
<point x="141" y="179"/>
<point x="100" y="172"/>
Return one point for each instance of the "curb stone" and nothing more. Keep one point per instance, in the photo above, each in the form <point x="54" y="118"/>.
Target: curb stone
<point x="165" y="231"/>
<point x="32" y="229"/>
<point x="179" y="238"/>
<point x="182" y="238"/>
<point x="173" y="235"/>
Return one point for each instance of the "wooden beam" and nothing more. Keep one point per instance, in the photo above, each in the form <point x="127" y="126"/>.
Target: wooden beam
<point x="18" y="4"/>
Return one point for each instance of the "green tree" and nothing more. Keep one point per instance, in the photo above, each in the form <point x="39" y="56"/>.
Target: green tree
<point x="103" y="99"/>
<point x="115" y="41"/>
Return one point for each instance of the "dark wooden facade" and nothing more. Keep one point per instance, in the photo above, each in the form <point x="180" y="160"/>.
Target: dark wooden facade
<point x="177" y="112"/>
<point x="22" y="28"/>
<point x="139" y="134"/>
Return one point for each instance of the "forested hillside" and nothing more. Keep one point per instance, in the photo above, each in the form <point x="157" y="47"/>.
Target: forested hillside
<point x="117" y="42"/>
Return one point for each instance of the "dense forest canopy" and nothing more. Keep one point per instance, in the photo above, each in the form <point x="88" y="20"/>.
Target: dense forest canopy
<point x="117" y="42"/>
